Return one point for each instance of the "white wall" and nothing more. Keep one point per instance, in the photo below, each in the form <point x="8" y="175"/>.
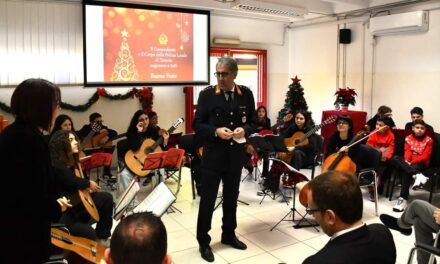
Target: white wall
<point x="406" y="72"/>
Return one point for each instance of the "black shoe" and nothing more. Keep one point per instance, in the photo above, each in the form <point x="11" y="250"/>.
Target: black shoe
<point x="391" y="222"/>
<point x="235" y="243"/>
<point x="206" y="253"/>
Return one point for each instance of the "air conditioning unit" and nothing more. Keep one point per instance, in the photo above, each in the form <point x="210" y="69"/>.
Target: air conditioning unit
<point x="399" y="23"/>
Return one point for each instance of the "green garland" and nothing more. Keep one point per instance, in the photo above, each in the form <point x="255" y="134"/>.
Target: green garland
<point x="144" y="95"/>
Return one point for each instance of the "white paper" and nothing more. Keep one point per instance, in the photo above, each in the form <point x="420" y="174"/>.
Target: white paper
<point x="157" y="201"/>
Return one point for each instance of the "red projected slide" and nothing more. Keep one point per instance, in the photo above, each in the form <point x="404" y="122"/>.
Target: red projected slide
<point x="146" y="45"/>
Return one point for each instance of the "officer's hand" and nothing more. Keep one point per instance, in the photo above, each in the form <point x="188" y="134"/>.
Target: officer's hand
<point x="224" y="133"/>
<point x="238" y="133"/>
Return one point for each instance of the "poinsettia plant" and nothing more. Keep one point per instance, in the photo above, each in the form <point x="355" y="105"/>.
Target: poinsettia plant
<point x="345" y="96"/>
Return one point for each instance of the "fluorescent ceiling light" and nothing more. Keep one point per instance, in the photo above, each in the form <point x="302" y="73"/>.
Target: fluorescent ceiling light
<point x="268" y="8"/>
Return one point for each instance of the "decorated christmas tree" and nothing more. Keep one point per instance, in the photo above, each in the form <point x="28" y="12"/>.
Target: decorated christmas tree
<point x="294" y="99"/>
<point x="125" y="68"/>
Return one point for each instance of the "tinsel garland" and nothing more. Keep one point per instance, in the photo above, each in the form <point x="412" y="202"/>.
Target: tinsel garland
<point x="145" y="96"/>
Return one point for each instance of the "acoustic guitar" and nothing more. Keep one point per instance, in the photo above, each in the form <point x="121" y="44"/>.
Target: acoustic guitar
<point x="301" y="139"/>
<point x="86" y="142"/>
<point x="281" y="122"/>
<point x="135" y="159"/>
<point x="86" y="248"/>
<point x="95" y="142"/>
<point x="83" y="206"/>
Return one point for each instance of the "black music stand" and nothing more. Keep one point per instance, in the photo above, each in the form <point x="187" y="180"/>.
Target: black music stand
<point x="295" y="177"/>
<point x="268" y="144"/>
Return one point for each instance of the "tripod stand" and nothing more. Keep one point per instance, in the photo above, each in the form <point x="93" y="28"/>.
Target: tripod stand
<point x="292" y="211"/>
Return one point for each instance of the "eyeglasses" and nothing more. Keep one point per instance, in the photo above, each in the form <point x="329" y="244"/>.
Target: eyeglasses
<point x="310" y="211"/>
<point x="221" y="74"/>
<point x="342" y="123"/>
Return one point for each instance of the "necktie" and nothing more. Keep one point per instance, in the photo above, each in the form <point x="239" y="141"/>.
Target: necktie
<point x="230" y="99"/>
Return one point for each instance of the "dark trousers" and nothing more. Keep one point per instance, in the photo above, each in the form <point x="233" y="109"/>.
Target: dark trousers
<point x="230" y="176"/>
<point x="104" y="203"/>
<point x="406" y="171"/>
<point x="298" y="158"/>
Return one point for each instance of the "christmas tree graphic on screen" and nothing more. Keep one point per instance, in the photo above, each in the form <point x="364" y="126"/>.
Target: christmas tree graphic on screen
<point x="145" y="45"/>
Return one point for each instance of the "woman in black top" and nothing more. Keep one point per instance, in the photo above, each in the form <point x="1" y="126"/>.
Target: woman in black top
<point x="64" y="149"/>
<point x="137" y="133"/>
<point x="342" y="137"/>
<point x="262" y="121"/>
<point x="29" y="198"/>
<point x="301" y="155"/>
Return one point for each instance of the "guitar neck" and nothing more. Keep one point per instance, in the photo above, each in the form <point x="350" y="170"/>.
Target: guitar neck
<point x="160" y="140"/>
<point x="118" y="136"/>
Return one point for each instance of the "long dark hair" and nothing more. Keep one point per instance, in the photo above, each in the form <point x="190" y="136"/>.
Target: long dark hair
<point x="134" y="121"/>
<point x="59" y="121"/>
<point x="261" y="121"/>
<point x="308" y="122"/>
<point x="60" y="148"/>
<point x="34" y="101"/>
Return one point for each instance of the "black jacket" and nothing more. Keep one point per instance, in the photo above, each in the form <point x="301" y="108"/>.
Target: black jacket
<point x="28" y="196"/>
<point x="366" y="245"/>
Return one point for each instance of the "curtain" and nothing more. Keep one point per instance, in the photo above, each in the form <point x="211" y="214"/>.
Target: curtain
<point x="40" y="39"/>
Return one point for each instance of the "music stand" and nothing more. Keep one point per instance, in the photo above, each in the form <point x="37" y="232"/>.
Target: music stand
<point x="171" y="159"/>
<point x="296" y="178"/>
<point x="268" y="143"/>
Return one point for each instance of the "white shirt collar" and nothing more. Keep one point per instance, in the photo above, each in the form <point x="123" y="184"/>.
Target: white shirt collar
<point x="340" y="233"/>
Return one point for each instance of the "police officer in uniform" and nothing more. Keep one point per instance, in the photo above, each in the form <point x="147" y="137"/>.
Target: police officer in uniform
<point x="222" y="120"/>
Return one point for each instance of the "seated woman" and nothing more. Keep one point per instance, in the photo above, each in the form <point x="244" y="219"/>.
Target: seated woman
<point x="262" y="121"/>
<point x="137" y="133"/>
<point x="64" y="153"/>
<point x="341" y="139"/>
<point x="299" y="156"/>
<point x="63" y="122"/>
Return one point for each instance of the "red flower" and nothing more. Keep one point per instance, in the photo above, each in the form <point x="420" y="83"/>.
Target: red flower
<point x="101" y="91"/>
<point x="345" y="96"/>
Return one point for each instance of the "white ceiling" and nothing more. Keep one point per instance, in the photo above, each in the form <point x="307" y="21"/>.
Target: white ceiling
<point x="314" y="8"/>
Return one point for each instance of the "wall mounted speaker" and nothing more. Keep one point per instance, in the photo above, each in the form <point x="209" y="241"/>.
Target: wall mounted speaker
<point x="345" y="36"/>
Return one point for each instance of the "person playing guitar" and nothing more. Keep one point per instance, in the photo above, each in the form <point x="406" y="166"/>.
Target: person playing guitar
<point x="137" y="133"/>
<point x="302" y="154"/>
<point x="96" y="121"/>
<point x="65" y="161"/>
<point x="153" y="128"/>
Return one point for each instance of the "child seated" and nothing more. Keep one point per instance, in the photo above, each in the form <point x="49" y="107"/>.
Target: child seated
<point x="418" y="149"/>
<point x="383" y="140"/>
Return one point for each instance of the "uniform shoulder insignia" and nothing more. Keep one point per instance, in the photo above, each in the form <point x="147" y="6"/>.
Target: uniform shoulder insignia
<point x="244" y="87"/>
<point x="208" y="88"/>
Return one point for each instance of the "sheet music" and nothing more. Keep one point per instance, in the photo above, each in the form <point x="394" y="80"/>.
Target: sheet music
<point x="126" y="198"/>
<point x="157" y="201"/>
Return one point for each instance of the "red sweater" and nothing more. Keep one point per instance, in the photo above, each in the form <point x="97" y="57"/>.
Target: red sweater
<point x="383" y="142"/>
<point x="418" y="150"/>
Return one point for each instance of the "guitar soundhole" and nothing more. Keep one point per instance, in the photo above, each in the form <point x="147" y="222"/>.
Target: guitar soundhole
<point x="297" y="141"/>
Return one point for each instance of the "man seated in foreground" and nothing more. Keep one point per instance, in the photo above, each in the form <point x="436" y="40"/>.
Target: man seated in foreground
<point x="335" y="201"/>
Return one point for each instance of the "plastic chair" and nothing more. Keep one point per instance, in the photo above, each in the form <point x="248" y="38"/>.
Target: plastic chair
<point x="371" y="158"/>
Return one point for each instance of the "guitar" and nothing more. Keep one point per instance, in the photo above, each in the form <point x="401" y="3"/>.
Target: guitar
<point x="301" y="139"/>
<point x="86" y="248"/>
<point x="96" y="140"/>
<point x="135" y="159"/>
<point x="85" y="143"/>
<point x="83" y="206"/>
<point x="281" y="122"/>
